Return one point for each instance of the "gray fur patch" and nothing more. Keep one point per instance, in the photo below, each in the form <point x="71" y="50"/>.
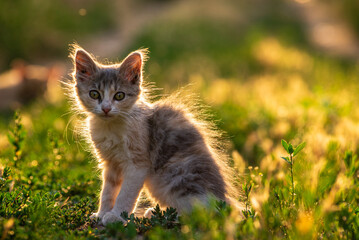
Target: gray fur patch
<point x="165" y="139"/>
<point x="194" y="171"/>
<point x="202" y="177"/>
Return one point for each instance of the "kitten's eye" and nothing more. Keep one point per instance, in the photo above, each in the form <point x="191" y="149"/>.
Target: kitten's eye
<point x="94" y="94"/>
<point x="119" y="96"/>
<point x="83" y="71"/>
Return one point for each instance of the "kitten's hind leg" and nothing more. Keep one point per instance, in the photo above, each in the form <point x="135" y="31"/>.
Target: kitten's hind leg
<point x="185" y="204"/>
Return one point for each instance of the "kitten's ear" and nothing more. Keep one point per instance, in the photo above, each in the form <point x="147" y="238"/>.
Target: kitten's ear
<point x="84" y="65"/>
<point x="131" y="67"/>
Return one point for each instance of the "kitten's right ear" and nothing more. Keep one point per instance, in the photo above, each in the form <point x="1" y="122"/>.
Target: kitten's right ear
<point x="85" y="67"/>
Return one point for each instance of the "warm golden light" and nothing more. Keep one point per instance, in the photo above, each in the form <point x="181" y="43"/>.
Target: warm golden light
<point x="82" y="12"/>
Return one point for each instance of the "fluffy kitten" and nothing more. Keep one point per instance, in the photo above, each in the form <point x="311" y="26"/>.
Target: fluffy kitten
<point x="161" y="146"/>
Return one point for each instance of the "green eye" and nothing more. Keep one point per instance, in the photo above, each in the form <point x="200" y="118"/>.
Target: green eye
<point x="119" y="96"/>
<point x="94" y="94"/>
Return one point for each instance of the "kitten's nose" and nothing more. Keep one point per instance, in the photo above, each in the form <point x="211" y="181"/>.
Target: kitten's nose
<point x="106" y="109"/>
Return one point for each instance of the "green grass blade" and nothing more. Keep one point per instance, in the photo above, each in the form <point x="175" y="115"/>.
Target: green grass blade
<point x="286" y="159"/>
<point x="285" y="145"/>
<point x="299" y="148"/>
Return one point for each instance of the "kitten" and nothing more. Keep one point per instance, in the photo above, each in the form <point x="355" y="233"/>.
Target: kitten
<point x="160" y="146"/>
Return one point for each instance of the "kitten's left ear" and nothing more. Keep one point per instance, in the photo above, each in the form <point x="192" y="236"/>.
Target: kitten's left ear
<point x="131" y="68"/>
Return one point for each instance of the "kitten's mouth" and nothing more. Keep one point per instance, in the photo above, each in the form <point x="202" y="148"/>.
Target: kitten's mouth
<point x="105" y="116"/>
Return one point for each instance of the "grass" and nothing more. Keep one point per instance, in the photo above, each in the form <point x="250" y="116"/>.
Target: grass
<point x="264" y="83"/>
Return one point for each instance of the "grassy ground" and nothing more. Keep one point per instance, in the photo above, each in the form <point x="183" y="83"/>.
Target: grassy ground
<point x="264" y="83"/>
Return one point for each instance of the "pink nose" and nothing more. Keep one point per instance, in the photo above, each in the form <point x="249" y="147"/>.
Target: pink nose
<point x="106" y="109"/>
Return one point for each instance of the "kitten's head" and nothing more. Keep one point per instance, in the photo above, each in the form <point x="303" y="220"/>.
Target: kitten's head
<point x="107" y="91"/>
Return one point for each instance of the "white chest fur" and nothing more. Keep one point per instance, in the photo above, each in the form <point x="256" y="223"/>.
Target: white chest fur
<point x="110" y="140"/>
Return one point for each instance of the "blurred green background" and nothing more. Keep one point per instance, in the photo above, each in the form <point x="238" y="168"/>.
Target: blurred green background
<point x="268" y="69"/>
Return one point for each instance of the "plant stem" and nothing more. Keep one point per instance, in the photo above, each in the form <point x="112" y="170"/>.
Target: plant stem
<point x="291" y="174"/>
<point x="247" y="203"/>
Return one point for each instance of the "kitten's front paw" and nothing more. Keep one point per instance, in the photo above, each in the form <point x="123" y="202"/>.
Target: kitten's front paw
<point x="110" y="217"/>
<point x="98" y="216"/>
<point x="94" y="216"/>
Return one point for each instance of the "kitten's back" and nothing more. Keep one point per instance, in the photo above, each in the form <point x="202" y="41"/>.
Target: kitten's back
<point x="184" y="152"/>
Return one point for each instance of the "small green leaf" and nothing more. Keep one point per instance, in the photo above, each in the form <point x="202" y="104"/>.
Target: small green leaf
<point x="250" y="188"/>
<point x="299" y="148"/>
<point x="348" y="159"/>
<point x="285" y="145"/>
<point x="286" y="159"/>
<point x="290" y="149"/>
<point x="244" y="187"/>
<point x="247" y="188"/>
<point x="11" y="138"/>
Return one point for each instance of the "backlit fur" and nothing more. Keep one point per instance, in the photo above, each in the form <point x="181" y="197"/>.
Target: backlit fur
<point x="163" y="146"/>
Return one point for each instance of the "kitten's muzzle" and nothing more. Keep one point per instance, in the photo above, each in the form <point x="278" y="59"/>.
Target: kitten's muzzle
<point x="106" y="109"/>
